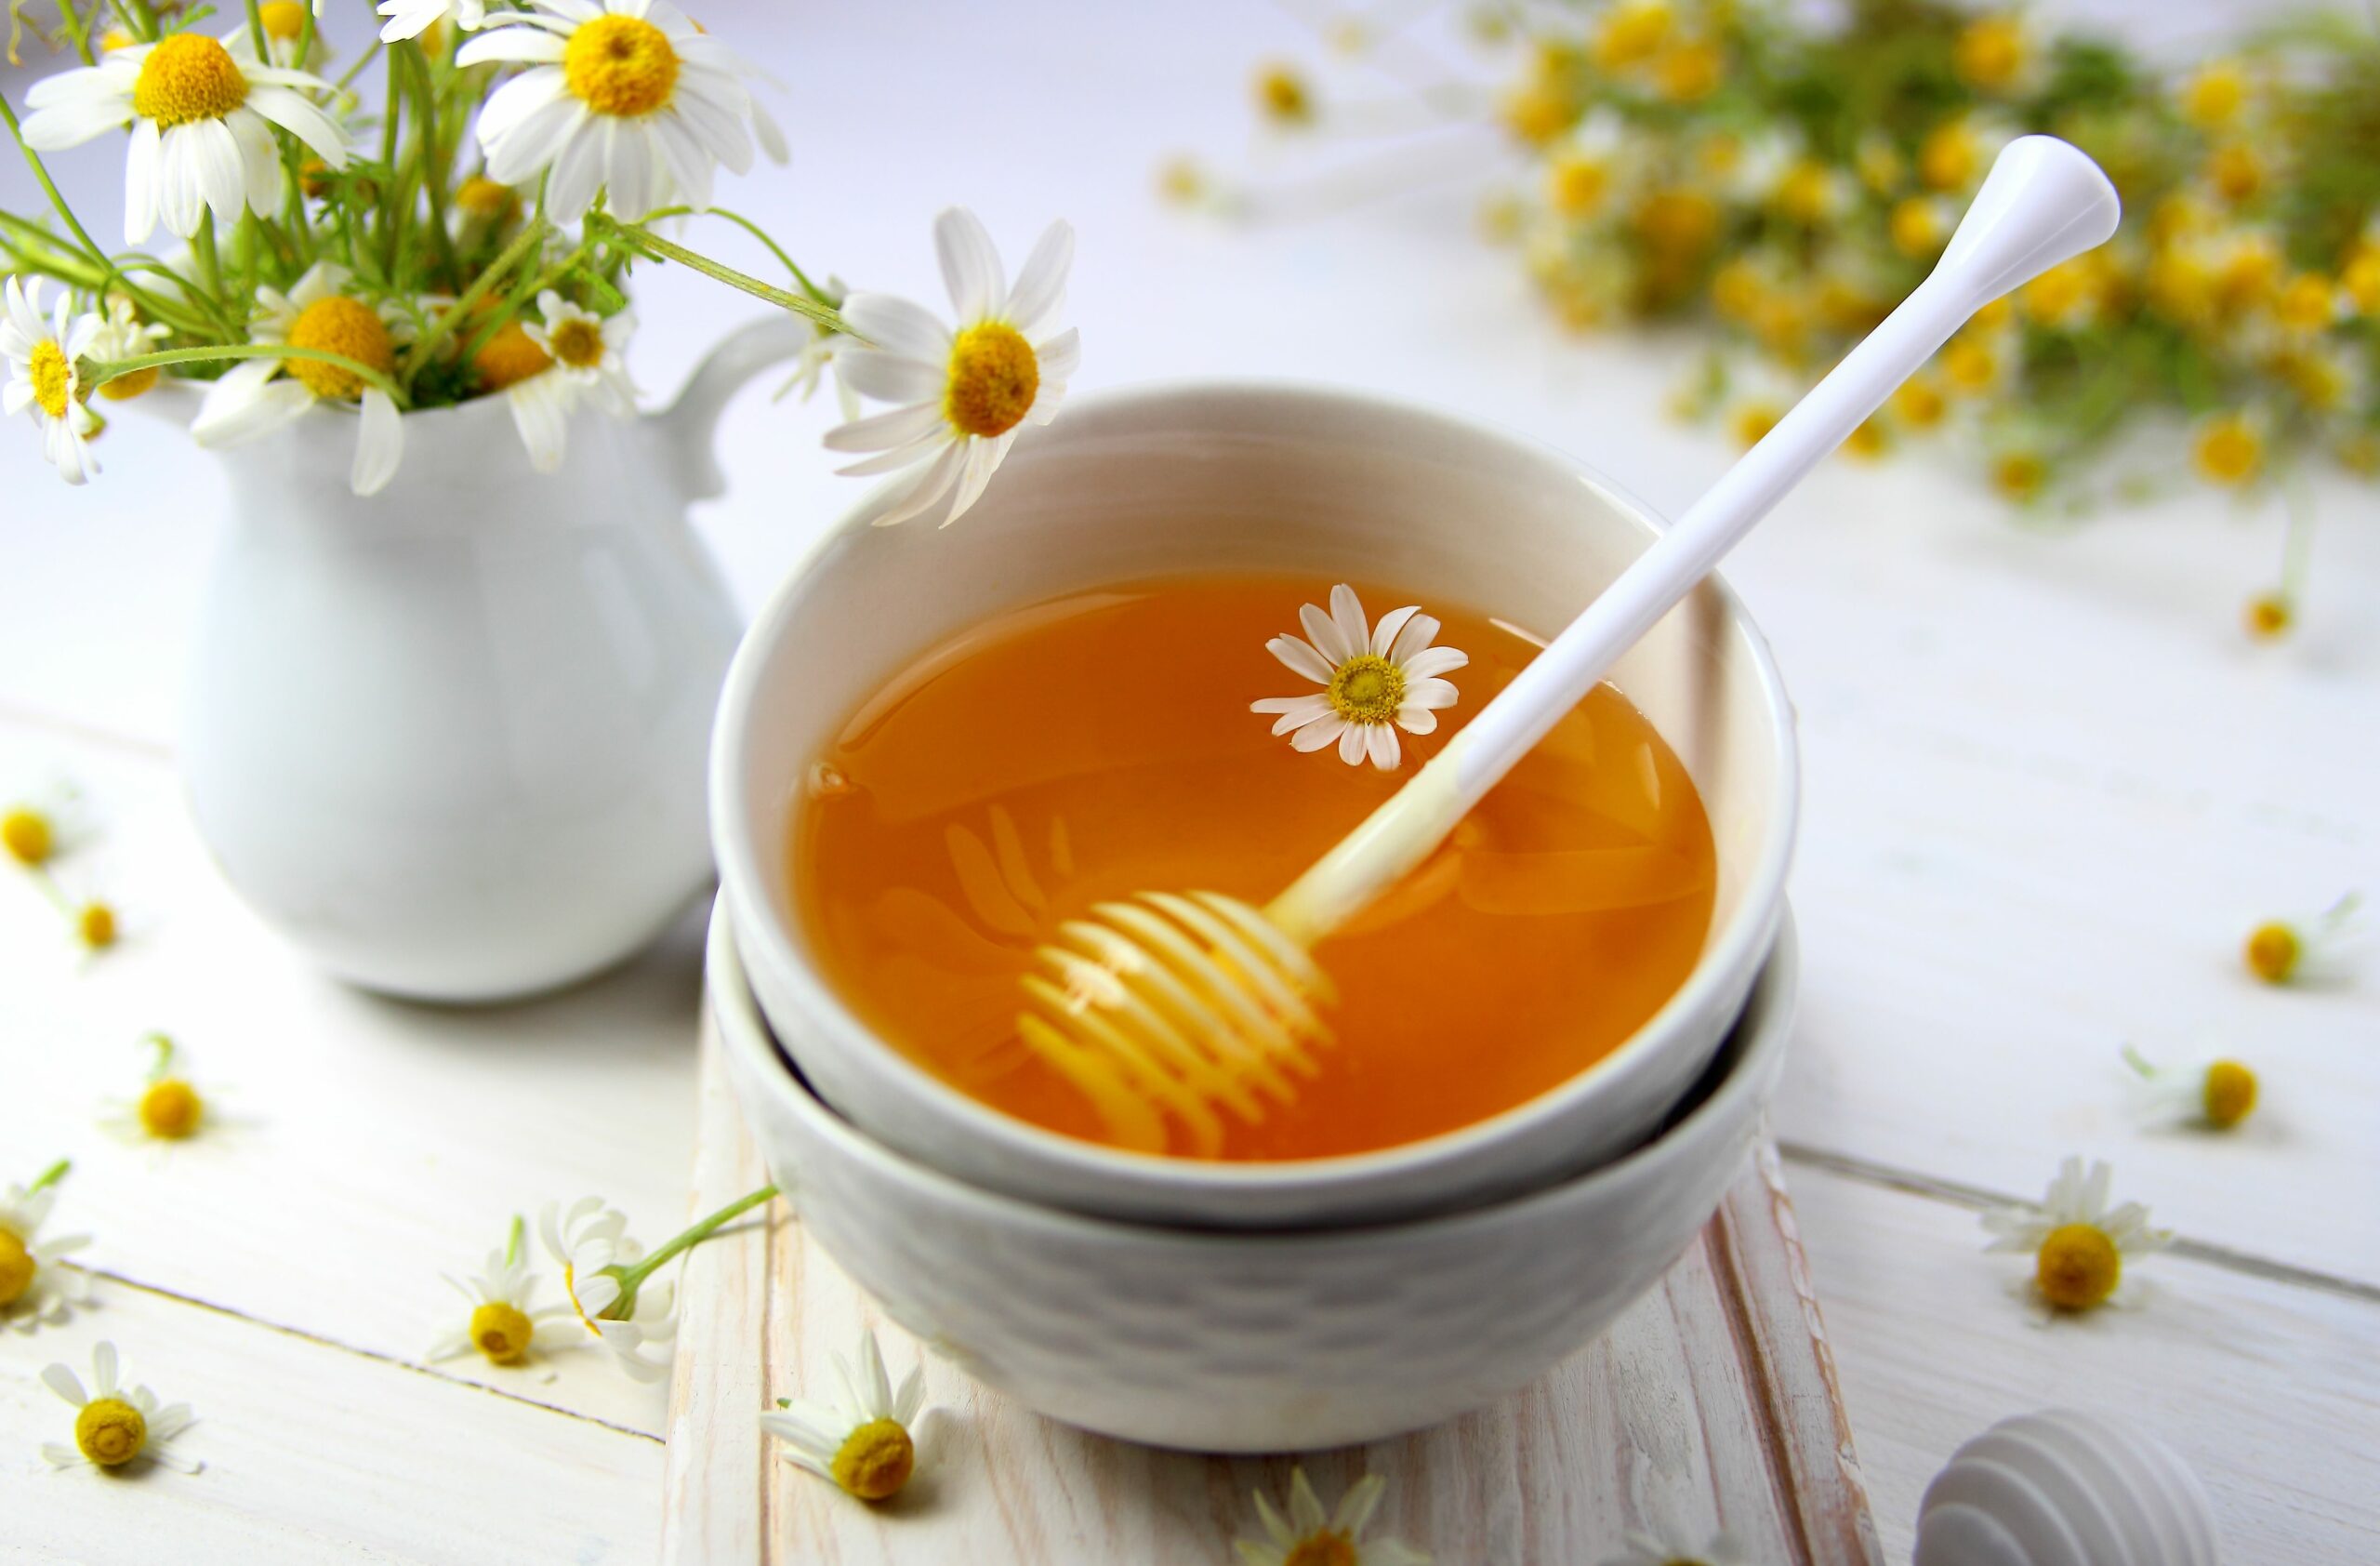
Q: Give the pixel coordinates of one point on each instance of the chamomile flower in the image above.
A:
(966, 393)
(2215, 1092)
(114, 1424)
(2079, 1242)
(43, 375)
(2291, 951)
(122, 335)
(202, 123)
(626, 97)
(582, 352)
(285, 31)
(861, 1439)
(1309, 1537)
(506, 1322)
(821, 358)
(590, 1241)
(34, 1289)
(1375, 680)
(258, 396)
(411, 19)
(169, 1108)
(43, 822)
(1639, 1548)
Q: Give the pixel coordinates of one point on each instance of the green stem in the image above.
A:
(532, 234)
(50, 1176)
(633, 1275)
(640, 239)
(163, 1044)
(512, 1239)
(103, 373)
(57, 201)
(758, 232)
(434, 178)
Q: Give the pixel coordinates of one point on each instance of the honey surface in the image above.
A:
(1100, 745)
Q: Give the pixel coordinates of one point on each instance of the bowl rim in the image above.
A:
(743, 1027)
(1748, 936)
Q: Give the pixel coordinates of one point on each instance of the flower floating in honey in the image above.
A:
(258, 396)
(169, 1108)
(2080, 1244)
(965, 394)
(1375, 680)
(44, 378)
(862, 1438)
(1309, 1537)
(115, 1424)
(2219, 1093)
(591, 1243)
(201, 117)
(1675, 1549)
(34, 1289)
(626, 97)
(506, 1322)
(2298, 951)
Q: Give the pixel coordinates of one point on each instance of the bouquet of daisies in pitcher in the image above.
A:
(468, 233)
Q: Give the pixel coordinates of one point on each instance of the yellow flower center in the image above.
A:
(2307, 304)
(111, 1431)
(1867, 442)
(577, 343)
(2235, 172)
(16, 1269)
(2268, 616)
(2272, 952)
(1990, 52)
(1691, 72)
(1917, 228)
(2214, 97)
(1920, 403)
(115, 38)
(1576, 184)
(483, 197)
(1367, 689)
(1679, 223)
(1329, 1547)
(171, 1109)
(994, 378)
(1946, 159)
(2361, 279)
(621, 66)
(1631, 33)
(2229, 451)
(52, 377)
(2228, 1094)
(189, 76)
(1806, 195)
(2079, 1266)
(284, 19)
(508, 358)
(2019, 475)
(502, 1332)
(1538, 114)
(1281, 94)
(1969, 365)
(95, 925)
(875, 1460)
(340, 326)
(27, 835)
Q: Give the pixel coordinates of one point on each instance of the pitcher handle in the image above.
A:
(688, 424)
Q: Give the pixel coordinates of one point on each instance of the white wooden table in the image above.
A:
(2049, 785)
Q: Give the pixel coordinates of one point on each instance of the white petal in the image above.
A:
(511, 46)
(222, 178)
(1352, 743)
(1315, 736)
(1058, 359)
(1041, 285)
(140, 174)
(1418, 633)
(62, 1380)
(541, 412)
(1381, 740)
(898, 325)
(931, 486)
(1417, 720)
(260, 158)
(984, 459)
(1302, 658)
(1385, 635)
(1430, 694)
(971, 265)
(235, 422)
(892, 377)
(380, 445)
(104, 1366)
(1326, 635)
(1347, 612)
(302, 119)
(1432, 660)
(885, 430)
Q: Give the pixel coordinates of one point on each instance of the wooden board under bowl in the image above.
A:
(1712, 1401)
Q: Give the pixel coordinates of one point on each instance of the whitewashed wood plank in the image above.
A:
(2271, 1391)
(312, 1455)
(366, 1146)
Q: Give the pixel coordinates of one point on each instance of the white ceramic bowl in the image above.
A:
(1193, 479)
(1219, 1341)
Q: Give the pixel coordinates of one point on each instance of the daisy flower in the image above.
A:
(115, 1424)
(42, 356)
(122, 335)
(1308, 1536)
(34, 1288)
(2213, 1091)
(1640, 1548)
(2078, 1240)
(2288, 950)
(1375, 680)
(860, 1438)
(582, 359)
(169, 1108)
(590, 1241)
(285, 30)
(626, 97)
(202, 123)
(411, 19)
(257, 396)
(506, 1321)
(964, 393)
(41, 823)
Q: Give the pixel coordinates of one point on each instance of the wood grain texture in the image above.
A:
(1710, 1404)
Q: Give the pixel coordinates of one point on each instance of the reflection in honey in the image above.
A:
(1102, 745)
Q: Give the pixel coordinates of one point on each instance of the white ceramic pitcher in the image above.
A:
(448, 740)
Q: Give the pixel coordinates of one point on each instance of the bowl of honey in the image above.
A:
(939, 751)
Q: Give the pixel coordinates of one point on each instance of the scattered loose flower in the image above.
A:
(41, 824)
(590, 1241)
(863, 1438)
(168, 1110)
(258, 396)
(115, 1424)
(1375, 679)
(1309, 1537)
(965, 394)
(34, 1289)
(45, 375)
(2296, 951)
(2219, 1093)
(1673, 1549)
(2079, 1242)
(506, 1324)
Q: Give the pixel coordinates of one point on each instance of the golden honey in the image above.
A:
(1100, 744)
